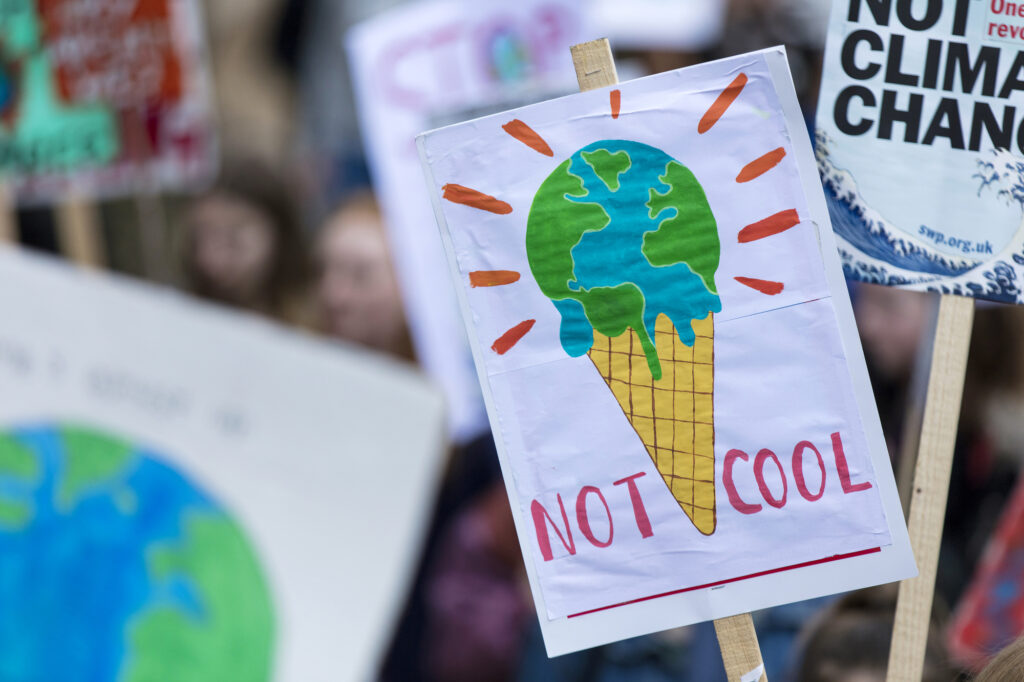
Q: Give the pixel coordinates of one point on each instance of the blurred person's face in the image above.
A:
(358, 293)
(232, 244)
(891, 323)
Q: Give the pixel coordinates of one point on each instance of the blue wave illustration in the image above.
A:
(868, 231)
(1005, 173)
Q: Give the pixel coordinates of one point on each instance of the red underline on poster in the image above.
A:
(826, 560)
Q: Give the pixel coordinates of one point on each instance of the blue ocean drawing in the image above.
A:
(874, 250)
(1005, 173)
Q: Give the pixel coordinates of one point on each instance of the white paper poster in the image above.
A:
(920, 144)
(427, 61)
(667, 350)
(188, 493)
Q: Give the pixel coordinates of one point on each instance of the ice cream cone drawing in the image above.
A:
(621, 238)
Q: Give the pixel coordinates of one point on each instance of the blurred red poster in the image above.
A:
(991, 613)
(119, 52)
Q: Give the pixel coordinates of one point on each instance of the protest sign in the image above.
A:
(411, 67)
(919, 148)
(920, 144)
(188, 493)
(103, 98)
(667, 351)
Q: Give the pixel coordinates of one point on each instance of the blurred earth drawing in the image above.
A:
(115, 566)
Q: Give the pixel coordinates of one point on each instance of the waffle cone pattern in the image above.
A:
(674, 416)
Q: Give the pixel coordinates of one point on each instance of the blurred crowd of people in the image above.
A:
(293, 233)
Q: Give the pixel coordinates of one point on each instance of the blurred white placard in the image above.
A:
(217, 497)
(423, 63)
(687, 25)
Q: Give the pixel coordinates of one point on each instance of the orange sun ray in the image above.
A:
(765, 286)
(723, 102)
(773, 224)
(761, 165)
(457, 194)
(492, 278)
(527, 136)
(512, 337)
(615, 99)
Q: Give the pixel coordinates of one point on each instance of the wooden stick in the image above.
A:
(910, 438)
(8, 216)
(78, 229)
(595, 68)
(931, 485)
(740, 652)
(149, 207)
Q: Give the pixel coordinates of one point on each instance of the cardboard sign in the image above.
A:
(198, 493)
(667, 351)
(434, 60)
(107, 96)
(919, 144)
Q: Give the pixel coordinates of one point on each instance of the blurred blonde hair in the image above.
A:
(1007, 666)
(854, 634)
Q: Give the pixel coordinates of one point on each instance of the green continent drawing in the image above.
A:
(619, 234)
(115, 566)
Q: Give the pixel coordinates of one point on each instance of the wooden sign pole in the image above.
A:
(78, 231)
(931, 485)
(77, 225)
(152, 220)
(8, 216)
(910, 437)
(153, 231)
(595, 68)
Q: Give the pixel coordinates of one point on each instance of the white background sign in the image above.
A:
(324, 455)
(430, 60)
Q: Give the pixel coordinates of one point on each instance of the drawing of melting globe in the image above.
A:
(114, 566)
(622, 240)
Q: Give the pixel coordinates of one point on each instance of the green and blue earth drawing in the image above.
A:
(608, 266)
(115, 566)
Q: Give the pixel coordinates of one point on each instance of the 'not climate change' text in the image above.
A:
(979, 79)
